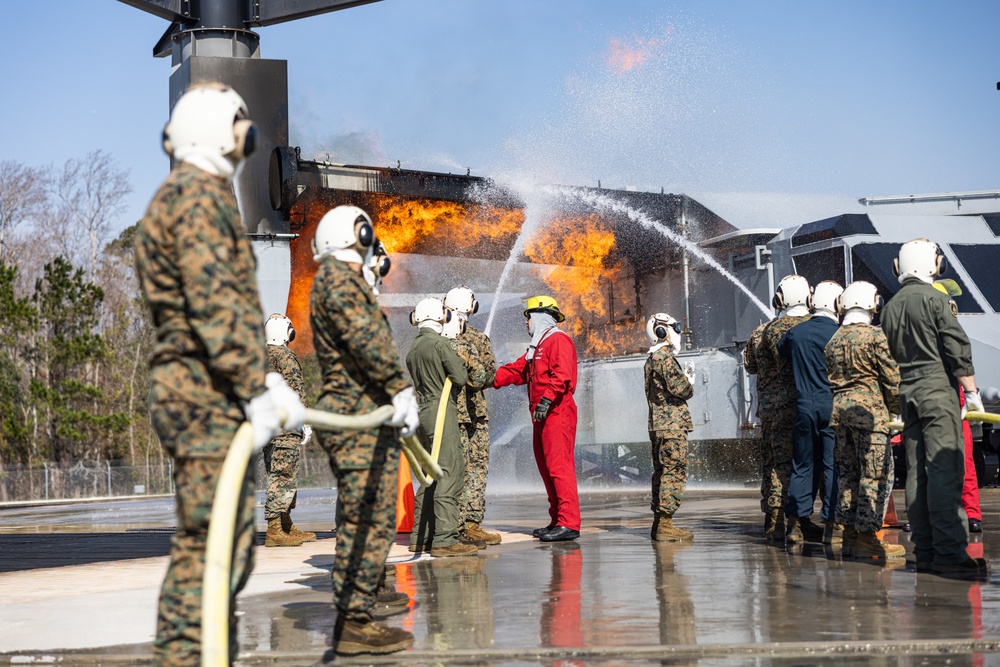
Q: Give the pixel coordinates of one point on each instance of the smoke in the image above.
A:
(361, 147)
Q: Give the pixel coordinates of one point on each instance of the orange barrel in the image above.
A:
(404, 498)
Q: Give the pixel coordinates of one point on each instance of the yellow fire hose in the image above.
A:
(221, 527)
(988, 417)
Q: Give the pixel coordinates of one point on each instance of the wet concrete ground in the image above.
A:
(612, 597)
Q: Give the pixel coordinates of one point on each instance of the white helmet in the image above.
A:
(824, 297)
(279, 330)
(793, 290)
(860, 295)
(919, 258)
(430, 309)
(462, 300)
(661, 327)
(210, 120)
(455, 326)
(344, 228)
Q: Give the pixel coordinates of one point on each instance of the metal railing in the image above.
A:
(81, 481)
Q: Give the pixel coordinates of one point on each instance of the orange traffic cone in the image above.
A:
(404, 498)
(890, 515)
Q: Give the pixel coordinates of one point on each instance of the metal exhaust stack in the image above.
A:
(211, 40)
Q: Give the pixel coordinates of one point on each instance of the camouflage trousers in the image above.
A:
(281, 462)
(366, 465)
(476, 446)
(780, 431)
(670, 470)
(178, 626)
(865, 476)
(766, 464)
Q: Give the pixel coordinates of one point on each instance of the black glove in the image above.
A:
(541, 410)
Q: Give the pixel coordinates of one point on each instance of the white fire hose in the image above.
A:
(222, 524)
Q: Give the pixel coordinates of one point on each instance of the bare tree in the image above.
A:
(91, 194)
(23, 197)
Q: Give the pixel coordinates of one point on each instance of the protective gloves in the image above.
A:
(307, 434)
(406, 416)
(973, 403)
(541, 410)
(265, 412)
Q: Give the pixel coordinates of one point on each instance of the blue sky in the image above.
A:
(769, 112)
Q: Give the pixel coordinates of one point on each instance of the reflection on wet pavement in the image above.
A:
(613, 596)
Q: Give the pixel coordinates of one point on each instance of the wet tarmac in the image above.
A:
(611, 597)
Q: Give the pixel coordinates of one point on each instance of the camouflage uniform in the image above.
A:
(474, 426)
(764, 444)
(198, 273)
(667, 391)
(360, 372)
(281, 456)
(865, 382)
(777, 406)
(430, 360)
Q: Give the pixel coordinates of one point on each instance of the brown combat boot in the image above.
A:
(289, 527)
(456, 549)
(474, 531)
(847, 547)
(868, 545)
(355, 637)
(776, 531)
(666, 531)
(833, 533)
(276, 537)
(793, 533)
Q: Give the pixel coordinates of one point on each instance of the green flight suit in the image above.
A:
(932, 350)
(430, 360)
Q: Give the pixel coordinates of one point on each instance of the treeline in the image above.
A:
(75, 337)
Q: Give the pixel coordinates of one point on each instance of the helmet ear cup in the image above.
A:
(809, 299)
(413, 317)
(895, 267)
(168, 147)
(778, 300)
(660, 331)
(244, 138)
(382, 269)
(839, 304)
(291, 334)
(447, 315)
(475, 306)
(364, 232)
(879, 302)
(676, 326)
(941, 264)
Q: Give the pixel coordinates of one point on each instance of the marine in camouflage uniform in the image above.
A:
(764, 443)
(281, 458)
(865, 382)
(430, 361)
(198, 274)
(474, 428)
(667, 391)
(777, 409)
(360, 371)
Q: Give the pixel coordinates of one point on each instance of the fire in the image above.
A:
(583, 279)
(624, 57)
(410, 225)
(582, 267)
(404, 225)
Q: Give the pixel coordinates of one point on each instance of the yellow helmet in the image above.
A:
(543, 304)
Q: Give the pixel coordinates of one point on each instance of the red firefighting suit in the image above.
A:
(552, 374)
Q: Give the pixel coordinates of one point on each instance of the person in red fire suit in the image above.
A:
(549, 370)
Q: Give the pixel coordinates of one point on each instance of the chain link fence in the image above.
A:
(81, 481)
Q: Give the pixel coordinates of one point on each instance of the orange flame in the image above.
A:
(624, 57)
(583, 271)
